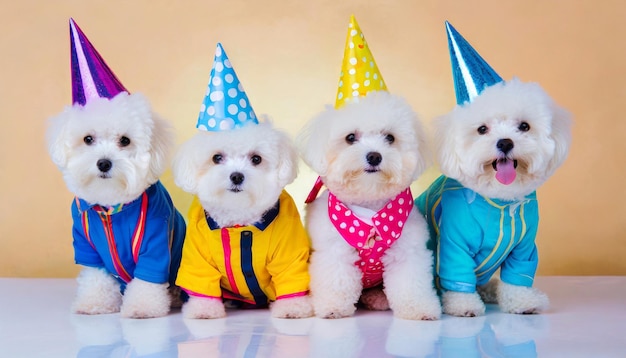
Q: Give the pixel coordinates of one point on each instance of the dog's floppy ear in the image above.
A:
(561, 134)
(288, 160)
(161, 137)
(186, 164)
(424, 159)
(445, 144)
(312, 142)
(56, 136)
(161, 144)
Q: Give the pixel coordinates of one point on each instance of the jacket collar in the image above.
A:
(267, 218)
(83, 205)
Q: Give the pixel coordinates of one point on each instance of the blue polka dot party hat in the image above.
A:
(226, 105)
(471, 73)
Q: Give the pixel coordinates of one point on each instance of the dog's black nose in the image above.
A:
(505, 145)
(237, 178)
(373, 158)
(104, 165)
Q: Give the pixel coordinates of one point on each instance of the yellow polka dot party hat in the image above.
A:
(359, 72)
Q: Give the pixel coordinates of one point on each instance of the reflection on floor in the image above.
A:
(587, 319)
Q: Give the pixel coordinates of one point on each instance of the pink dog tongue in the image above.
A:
(505, 171)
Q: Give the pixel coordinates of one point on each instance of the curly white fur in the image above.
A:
(462, 304)
(144, 299)
(293, 307)
(198, 170)
(518, 299)
(97, 293)
(538, 148)
(467, 156)
(203, 308)
(385, 124)
(323, 147)
(133, 167)
(80, 137)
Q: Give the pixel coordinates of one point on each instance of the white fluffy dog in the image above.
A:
(494, 153)
(367, 154)
(111, 153)
(245, 239)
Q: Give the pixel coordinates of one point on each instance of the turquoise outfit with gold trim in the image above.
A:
(472, 236)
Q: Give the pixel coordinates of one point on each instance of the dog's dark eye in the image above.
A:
(524, 127)
(482, 130)
(256, 159)
(390, 138)
(124, 141)
(350, 138)
(217, 158)
(88, 140)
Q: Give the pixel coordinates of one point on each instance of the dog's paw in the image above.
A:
(462, 304)
(97, 293)
(427, 308)
(333, 308)
(203, 308)
(144, 299)
(521, 300)
(374, 299)
(294, 307)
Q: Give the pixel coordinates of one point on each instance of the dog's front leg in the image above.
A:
(521, 299)
(515, 293)
(335, 282)
(204, 308)
(292, 307)
(144, 299)
(98, 292)
(462, 304)
(408, 281)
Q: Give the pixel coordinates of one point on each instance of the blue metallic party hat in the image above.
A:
(226, 105)
(471, 73)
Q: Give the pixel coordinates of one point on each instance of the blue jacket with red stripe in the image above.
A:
(142, 239)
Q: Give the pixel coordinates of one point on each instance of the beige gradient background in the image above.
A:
(287, 55)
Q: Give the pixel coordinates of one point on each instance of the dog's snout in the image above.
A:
(104, 165)
(237, 178)
(373, 158)
(505, 145)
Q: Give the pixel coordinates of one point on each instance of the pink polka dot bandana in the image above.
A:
(371, 241)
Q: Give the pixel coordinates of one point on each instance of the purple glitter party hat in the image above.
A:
(91, 77)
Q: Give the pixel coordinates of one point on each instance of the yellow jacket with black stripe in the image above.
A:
(255, 264)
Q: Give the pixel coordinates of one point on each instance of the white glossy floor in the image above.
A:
(587, 319)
